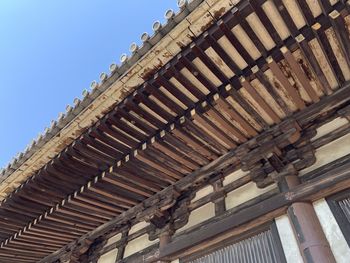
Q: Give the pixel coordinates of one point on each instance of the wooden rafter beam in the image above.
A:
(305, 117)
(180, 127)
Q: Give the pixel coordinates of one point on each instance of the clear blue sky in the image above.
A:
(50, 50)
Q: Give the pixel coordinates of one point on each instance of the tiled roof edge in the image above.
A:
(106, 80)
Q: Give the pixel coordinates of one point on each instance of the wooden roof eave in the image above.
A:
(95, 103)
(178, 133)
(163, 198)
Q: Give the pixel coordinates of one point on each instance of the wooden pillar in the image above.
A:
(164, 239)
(219, 202)
(312, 241)
(121, 248)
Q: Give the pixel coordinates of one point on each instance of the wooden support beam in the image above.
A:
(315, 66)
(121, 247)
(166, 197)
(259, 99)
(219, 202)
(342, 33)
(82, 162)
(285, 83)
(300, 75)
(265, 82)
(328, 51)
(324, 185)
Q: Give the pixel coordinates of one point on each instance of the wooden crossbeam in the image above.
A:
(325, 184)
(114, 147)
(304, 117)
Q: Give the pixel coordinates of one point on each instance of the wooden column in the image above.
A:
(164, 239)
(219, 201)
(121, 248)
(312, 242)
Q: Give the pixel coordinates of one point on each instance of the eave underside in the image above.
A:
(234, 82)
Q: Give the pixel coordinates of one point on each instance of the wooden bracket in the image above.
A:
(345, 112)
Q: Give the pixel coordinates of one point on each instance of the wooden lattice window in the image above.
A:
(340, 206)
(261, 245)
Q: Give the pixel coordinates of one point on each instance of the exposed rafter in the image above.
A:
(241, 80)
(167, 196)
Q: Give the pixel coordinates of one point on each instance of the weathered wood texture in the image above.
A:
(182, 125)
(167, 197)
(325, 184)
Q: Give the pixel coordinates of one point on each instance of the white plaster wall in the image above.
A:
(244, 194)
(109, 257)
(138, 227)
(288, 240)
(335, 237)
(329, 127)
(113, 239)
(199, 215)
(203, 192)
(138, 244)
(330, 152)
(234, 176)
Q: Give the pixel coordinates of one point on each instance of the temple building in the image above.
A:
(223, 137)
